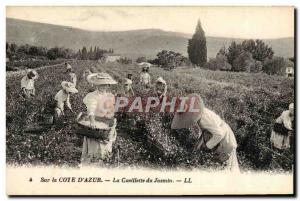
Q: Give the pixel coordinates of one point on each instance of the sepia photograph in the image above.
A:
(149, 100)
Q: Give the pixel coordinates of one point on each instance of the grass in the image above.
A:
(248, 102)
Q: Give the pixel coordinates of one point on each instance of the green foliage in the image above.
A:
(218, 63)
(274, 66)
(258, 49)
(141, 59)
(245, 63)
(248, 103)
(16, 65)
(25, 52)
(124, 60)
(84, 54)
(197, 49)
(169, 59)
(234, 50)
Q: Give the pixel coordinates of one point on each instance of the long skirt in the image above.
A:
(94, 150)
(227, 150)
(280, 141)
(28, 93)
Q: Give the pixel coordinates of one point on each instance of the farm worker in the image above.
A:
(100, 106)
(73, 76)
(219, 136)
(86, 73)
(63, 97)
(27, 83)
(145, 78)
(161, 87)
(129, 76)
(283, 128)
(68, 66)
(128, 91)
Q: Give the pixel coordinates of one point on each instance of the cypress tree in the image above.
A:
(197, 49)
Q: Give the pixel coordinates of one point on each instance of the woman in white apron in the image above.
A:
(100, 110)
(283, 128)
(222, 138)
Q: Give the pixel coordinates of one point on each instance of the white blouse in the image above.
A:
(219, 129)
(100, 104)
(145, 78)
(285, 119)
(61, 97)
(27, 83)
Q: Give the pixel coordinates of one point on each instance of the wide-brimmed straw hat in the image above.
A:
(69, 87)
(33, 73)
(161, 80)
(144, 64)
(100, 79)
(189, 118)
(127, 81)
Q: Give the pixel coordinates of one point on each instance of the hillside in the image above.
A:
(132, 43)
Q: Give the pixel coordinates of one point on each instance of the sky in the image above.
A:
(231, 22)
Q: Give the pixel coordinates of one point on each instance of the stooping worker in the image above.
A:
(219, 136)
(27, 84)
(68, 66)
(161, 88)
(128, 91)
(145, 78)
(72, 76)
(63, 97)
(283, 129)
(100, 118)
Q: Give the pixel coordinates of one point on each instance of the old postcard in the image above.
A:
(150, 100)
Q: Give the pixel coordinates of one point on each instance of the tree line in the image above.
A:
(93, 54)
(247, 56)
(250, 56)
(26, 52)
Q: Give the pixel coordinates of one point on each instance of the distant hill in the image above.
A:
(132, 43)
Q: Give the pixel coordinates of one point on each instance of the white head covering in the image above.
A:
(127, 81)
(291, 106)
(100, 78)
(161, 80)
(36, 75)
(145, 65)
(188, 119)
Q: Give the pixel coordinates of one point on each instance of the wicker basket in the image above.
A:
(101, 132)
(92, 133)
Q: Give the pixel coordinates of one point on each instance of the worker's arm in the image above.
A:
(68, 103)
(131, 90)
(211, 123)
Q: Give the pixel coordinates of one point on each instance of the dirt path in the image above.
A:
(10, 74)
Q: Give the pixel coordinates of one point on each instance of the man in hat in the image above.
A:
(161, 88)
(100, 106)
(63, 97)
(220, 137)
(27, 84)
